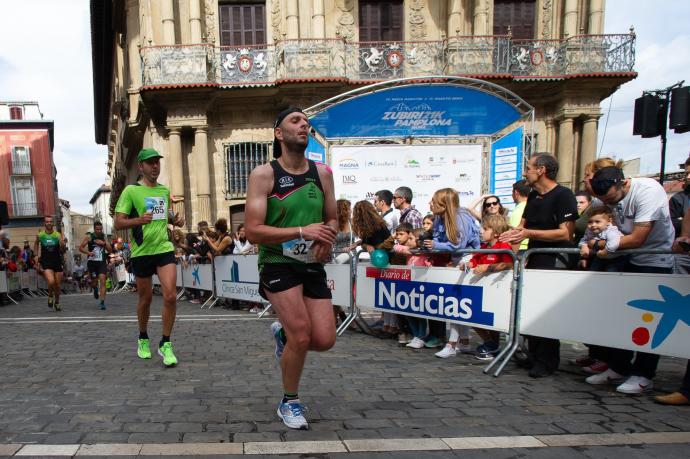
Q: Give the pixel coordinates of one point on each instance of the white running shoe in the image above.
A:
(416, 343)
(636, 385)
(291, 414)
(607, 377)
(447, 351)
(404, 338)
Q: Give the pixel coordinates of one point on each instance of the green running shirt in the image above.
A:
(50, 247)
(134, 201)
(296, 200)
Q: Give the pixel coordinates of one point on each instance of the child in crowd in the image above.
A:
(406, 240)
(480, 263)
(428, 222)
(602, 238)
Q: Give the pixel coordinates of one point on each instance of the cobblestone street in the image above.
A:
(73, 378)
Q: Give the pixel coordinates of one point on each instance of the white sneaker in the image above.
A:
(464, 348)
(607, 377)
(416, 343)
(636, 385)
(255, 310)
(447, 351)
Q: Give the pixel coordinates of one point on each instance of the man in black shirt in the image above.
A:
(548, 222)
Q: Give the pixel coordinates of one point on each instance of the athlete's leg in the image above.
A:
(145, 290)
(57, 284)
(101, 293)
(49, 276)
(322, 323)
(167, 274)
(292, 313)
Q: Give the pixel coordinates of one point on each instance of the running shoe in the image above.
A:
(144, 349)
(433, 342)
(51, 300)
(447, 351)
(166, 351)
(635, 385)
(291, 414)
(101, 305)
(276, 327)
(57, 307)
(607, 377)
(486, 351)
(416, 343)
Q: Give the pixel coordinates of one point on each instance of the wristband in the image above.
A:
(300, 233)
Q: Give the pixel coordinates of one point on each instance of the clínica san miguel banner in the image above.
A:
(447, 294)
(639, 312)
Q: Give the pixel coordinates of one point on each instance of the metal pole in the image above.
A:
(664, 127)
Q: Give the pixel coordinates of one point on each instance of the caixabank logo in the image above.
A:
(435, 301)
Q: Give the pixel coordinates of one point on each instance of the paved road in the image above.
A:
(73, 378)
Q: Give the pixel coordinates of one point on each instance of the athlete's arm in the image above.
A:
(83, 244)
(107, 245)
(122, 221)
(258, 190)
(323, 250)
(37, 248)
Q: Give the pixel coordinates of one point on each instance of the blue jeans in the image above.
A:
(417, 326)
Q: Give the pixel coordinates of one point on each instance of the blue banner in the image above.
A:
(506, 165)
(417, 110)
(315, 151)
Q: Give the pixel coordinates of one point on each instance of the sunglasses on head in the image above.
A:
(492, 203)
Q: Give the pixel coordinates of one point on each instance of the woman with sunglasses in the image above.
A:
(491, 205)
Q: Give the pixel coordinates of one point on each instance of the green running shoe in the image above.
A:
(57, 307)
(166, 351)
(143, 349)
(51, 300)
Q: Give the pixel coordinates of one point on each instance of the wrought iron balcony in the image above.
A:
(482, 56)
(25, 209)
(21, 166)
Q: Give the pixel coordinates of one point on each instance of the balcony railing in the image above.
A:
(373, 61)
(21, 166)
(25, 209)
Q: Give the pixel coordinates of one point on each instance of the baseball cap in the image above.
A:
(148, 153)
(605, 178)
(279, 119)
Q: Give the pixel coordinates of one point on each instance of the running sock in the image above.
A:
(290, 396)
(143, 335)
(164, 339)
(282, 335)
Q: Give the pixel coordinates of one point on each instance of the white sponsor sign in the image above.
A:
(447, 294)
(28, 280)
(197, 276)
(3, 282)
(360, 171)
(237, 277)
(640, 312)
(178, 282)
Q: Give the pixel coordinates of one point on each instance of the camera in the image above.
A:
(425, 236)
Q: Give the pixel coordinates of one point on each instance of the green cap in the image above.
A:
(148, 153)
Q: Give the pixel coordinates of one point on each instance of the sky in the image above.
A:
(45, 55)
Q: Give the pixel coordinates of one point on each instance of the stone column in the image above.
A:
(318, 20)
(194, 21)
(292, 20)
(550, 137)
(203, 175)
(565, 152)
(455, 22)
(168, 19)
(174, 160)
(570, 19)
(596, 17)
(589, 143)
(480, 17)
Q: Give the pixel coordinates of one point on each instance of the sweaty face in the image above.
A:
(294, 130)
(598, 223)
(48, 222)
(151, 168)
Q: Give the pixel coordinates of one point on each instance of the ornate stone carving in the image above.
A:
(210, 20)
(276, 19)
(346, 21)
(546, 18)
(417, 23)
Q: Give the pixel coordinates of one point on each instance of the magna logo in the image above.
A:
(348, 163)
(286, 181)
(436, 301)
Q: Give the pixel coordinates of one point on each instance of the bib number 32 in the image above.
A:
(298, 249)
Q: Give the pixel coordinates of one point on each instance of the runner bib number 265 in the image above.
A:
(157, 207)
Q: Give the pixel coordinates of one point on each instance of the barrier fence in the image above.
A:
(640, 312)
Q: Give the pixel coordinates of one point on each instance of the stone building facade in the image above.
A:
(202, 80)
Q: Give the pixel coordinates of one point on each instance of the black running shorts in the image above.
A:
(278, 277)
(145, 265)
(52, 265)
(97, 268)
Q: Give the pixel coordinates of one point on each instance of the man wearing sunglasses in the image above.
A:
(641, 213)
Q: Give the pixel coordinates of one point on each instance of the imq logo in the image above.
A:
(436, 301)
(349, 179)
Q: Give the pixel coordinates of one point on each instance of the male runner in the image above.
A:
(291, 214)
(48, 247)
(95, 245)
(144, 209)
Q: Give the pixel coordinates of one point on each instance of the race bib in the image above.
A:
(158, 208)
(299, 250)
(97, 253)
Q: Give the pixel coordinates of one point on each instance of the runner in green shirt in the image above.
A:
(49, 259)
(290, 213)
(144, 209)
